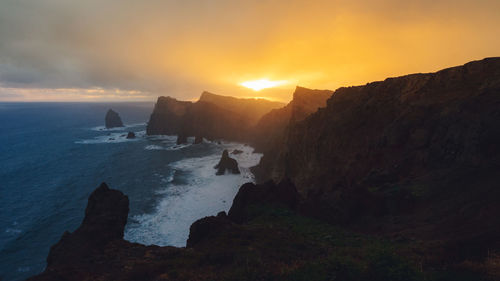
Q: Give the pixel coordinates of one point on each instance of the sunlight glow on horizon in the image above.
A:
(260, 84)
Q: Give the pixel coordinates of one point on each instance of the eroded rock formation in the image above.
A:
(227, 163)
(112, 119)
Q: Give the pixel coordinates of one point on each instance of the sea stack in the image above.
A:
(198, 140)
(227, 163)
(112, 119)
(131, 135)
(181, 139)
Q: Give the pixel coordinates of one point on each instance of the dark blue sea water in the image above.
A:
(53, 155)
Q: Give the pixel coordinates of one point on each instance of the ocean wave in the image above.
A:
(124, 128)
(13, 231)
(112, 138)
(153, 147)
(201, 194)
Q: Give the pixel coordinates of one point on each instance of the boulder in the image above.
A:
(237, 151)
(112, 119)
(198, 140)
(181, 139)
(227, 163)
(131, 135)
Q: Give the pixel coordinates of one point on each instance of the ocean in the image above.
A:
(53, 155)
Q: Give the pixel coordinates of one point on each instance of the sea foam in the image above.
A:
(201, 194)
(115, 137)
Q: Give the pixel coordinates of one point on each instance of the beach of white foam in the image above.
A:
(201, 194)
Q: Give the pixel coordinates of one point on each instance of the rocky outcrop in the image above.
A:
(395, 129)
(270, 129)
(112, 119)
(131, 135)
(423, 148)
(198, 140)
(181, 139)
(250, 109)
(236, 152)
(283, 194)
(262, 236)
(226, 163)
(104, 222)
(167, 116)
(213, 117)
(205, 228)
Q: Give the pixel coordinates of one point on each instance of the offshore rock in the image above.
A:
(198, 140)
(227, 163)
(112, 119)
(181, 139)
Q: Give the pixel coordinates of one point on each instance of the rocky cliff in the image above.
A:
(251, 109)
(271, 127)
(212, 117)
(398, 128)
(393, 180)
(422, 147)
(264, 237)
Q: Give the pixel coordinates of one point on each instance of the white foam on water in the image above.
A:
(204, 194)
(112, 138)
(13, 230)
(153, 147)
(170, 143)
(124, 128)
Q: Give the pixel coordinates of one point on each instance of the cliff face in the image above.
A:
(262, 238)
(212, 117)
(167, 116)
(397, 129)
(271, 127)
(250, 109)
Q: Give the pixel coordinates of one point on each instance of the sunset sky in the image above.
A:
(60, 50)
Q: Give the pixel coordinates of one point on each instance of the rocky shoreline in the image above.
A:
(393, 180)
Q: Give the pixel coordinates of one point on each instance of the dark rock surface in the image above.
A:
(131, 135)
(198, 140)
(104, 222)
(112, 119)
(422, 148)
(226, 163)
(213, 117)
(283, 194)
(394, 129)
(251, 109)
(203, 229)
(236, 152)
(271, 128)
(181, 139)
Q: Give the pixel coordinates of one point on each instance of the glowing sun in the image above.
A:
(260, 84)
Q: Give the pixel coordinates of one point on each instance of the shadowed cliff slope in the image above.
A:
(271, 127)
(413, 156)
(262, 238)
(251, 109)
(213, 116)
(398, 128)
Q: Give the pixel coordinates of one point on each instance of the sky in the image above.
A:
(129, 50)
